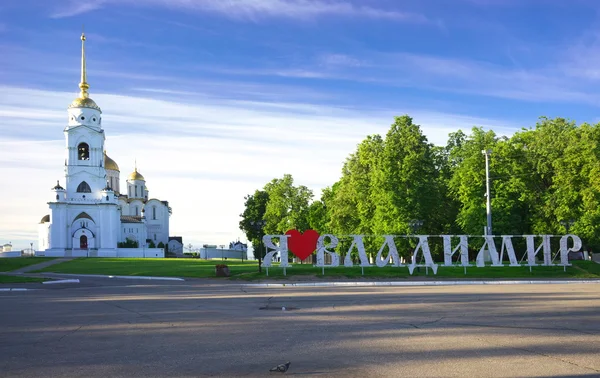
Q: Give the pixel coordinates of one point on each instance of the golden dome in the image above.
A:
(135, 175)
(110, 163)
(84, 102)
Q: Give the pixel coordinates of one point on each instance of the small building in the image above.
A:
(236, 250)
(175, 245)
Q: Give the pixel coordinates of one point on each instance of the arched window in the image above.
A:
(153, 212)
(84, 188)
(83, 151)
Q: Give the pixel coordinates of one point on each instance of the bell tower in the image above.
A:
(84, 167)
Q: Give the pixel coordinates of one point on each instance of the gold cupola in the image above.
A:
(110, 163)
(135, 175)
(84, 100)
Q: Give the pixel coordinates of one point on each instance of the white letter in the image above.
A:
(322, 249)
(448, 252)
(282, 248)
(510, 250)
(491, 249)
(358, 242)
(392, 254)
(532, 251)
(564, 251)
(424, 246)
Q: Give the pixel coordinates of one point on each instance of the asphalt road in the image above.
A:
(194, 329)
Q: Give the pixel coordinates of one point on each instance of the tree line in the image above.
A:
(544, 180)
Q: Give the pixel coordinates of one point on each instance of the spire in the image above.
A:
(83, 85)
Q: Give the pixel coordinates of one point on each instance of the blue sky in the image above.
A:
(214, 97)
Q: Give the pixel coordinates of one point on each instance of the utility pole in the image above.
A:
(488, 198)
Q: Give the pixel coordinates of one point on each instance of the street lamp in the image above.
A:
(258, 226)
(414, 225)
(31, 249)
(222, 246)
(567, 224)
(488, 199)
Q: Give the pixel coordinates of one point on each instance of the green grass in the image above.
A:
(19, 279)
(9, 264)
(248, 270)
(150, 267)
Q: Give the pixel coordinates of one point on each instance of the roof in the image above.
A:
(110, 163)
(45, 219)
(131, 219)
(136, 176)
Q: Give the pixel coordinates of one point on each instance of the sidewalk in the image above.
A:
(42, 265)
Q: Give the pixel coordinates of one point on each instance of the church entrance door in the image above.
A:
(83, 242)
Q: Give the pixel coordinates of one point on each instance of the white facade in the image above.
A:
(89, 217)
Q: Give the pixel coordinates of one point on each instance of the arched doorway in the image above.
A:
(83, 242)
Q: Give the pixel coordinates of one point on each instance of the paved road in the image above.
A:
(193, 329)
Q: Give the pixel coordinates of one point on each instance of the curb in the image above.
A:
(61, 281)
(424, 283)
(15, 289)
(121, 277)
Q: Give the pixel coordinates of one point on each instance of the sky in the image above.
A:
(215, 98)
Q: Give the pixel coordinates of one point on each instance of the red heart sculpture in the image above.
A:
(302, 245)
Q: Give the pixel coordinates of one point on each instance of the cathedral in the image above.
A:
(90, 215)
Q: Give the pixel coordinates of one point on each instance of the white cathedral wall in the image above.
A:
(43, 235)
(133, 231)
(58, 231)
(135, 208)
(92, 170)
(112, 177)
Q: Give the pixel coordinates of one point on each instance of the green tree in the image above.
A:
(252, 222)
(287, 206)
(405, 181)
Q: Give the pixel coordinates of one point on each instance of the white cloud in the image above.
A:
(203, 158)
(253, 9)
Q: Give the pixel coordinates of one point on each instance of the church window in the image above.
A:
(154, 212)
(82, 118)
(136, 211)
(136, 191)
(94, 119)
(84, 188)
(83, 151)
(154, 236)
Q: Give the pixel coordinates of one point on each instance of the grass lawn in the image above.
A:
(248, 270)
(12, 263)
(19, 279)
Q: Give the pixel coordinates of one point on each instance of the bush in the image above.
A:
(128, 244)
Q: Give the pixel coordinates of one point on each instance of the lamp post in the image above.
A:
(488, 199)
(258, 226)
(414, 225)
(31, 249)
(567, 224)
(222, 246)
